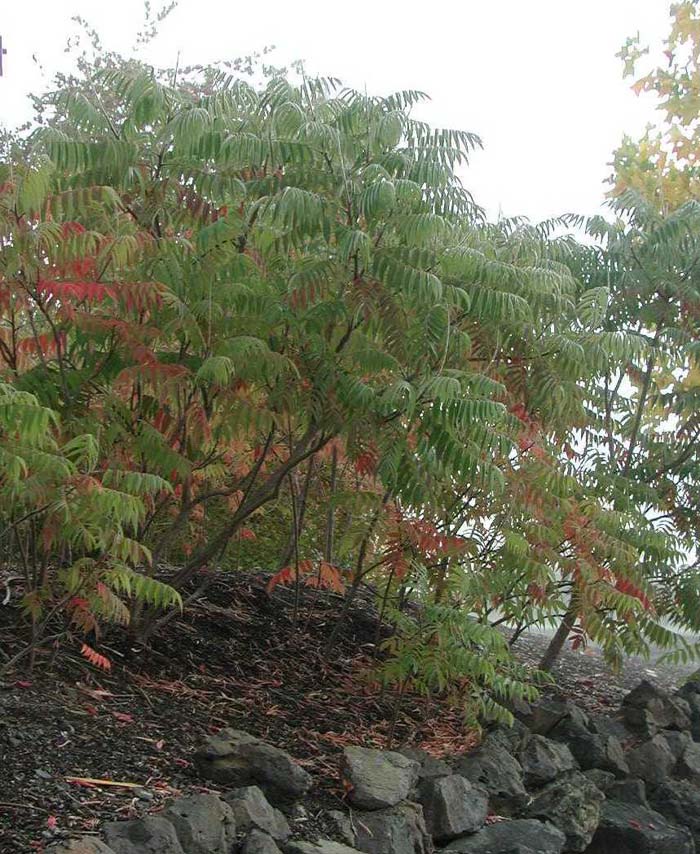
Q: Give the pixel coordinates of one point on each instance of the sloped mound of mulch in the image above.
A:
(235, 660)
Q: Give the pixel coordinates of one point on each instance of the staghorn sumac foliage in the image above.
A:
(267, 324)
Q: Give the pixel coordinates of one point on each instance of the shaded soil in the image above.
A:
(238, 661)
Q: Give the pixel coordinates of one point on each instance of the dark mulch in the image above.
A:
(236, 660)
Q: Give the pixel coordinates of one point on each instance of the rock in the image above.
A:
(676, 742)
(571, 803)
(509, 738)
(430, 766)
(397, 830)
(652, 761)
(631, 829)
(500, 774)
(688, 763)
(548, 712)
(379, 778)
(258, 842)
(679, 802)
(603, 780)
(606, 725)
(204, 824)
(630, 791)
(690, 692)
(591, 749)
(235, 758)
(521, 836)
(543, 760)
(321, 846)
(452, 806)
(251, 810)
(82, 845)
(149, 835)
(649, 710)
(343, 824)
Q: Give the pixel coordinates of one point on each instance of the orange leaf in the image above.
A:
(95, 657)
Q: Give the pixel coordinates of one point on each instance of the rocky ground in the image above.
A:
(233, 662)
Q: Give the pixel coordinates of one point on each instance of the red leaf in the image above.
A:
(90, 709)
(21, 684)
(123, 717)
(160, 744)
(52, 822)
(181, 762)
(95, 657)
(635, 824)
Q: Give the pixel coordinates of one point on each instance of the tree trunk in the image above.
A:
(557, 643)
(295, 533)
(330, 514)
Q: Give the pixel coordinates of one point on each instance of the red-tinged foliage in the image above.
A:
(44, 345)
(536, 592)
(322, 575)
(366, 462)
(77, 292)
(629, 589)
(95, 658)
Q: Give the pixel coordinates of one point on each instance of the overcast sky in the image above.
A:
(537, 79)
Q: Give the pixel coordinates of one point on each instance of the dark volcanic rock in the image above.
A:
(430, 766)
(543, 760)
(452, 806)
(236, 758)
(652, 761)
(510, 738)
(630, 791)
(610, 725)
(603, 780)
(251, 810)
(204, 824)
(521, 836)
(82, 845)
(398, 830)
(572, 803)
(379, 778)
(690, 692)
(258, 842)
(679, 802)
(493, 768)
(321, 846)
(649, 709)
(591, 749)
(631, 829)
(549, 712)
(150, 835)
(688, 764)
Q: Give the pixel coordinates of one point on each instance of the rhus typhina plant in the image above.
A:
(268, 318)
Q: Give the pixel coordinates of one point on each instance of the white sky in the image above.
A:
(537, 79)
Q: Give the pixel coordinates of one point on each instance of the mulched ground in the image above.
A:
(238, 661)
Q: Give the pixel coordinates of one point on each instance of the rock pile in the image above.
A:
(557, 781)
